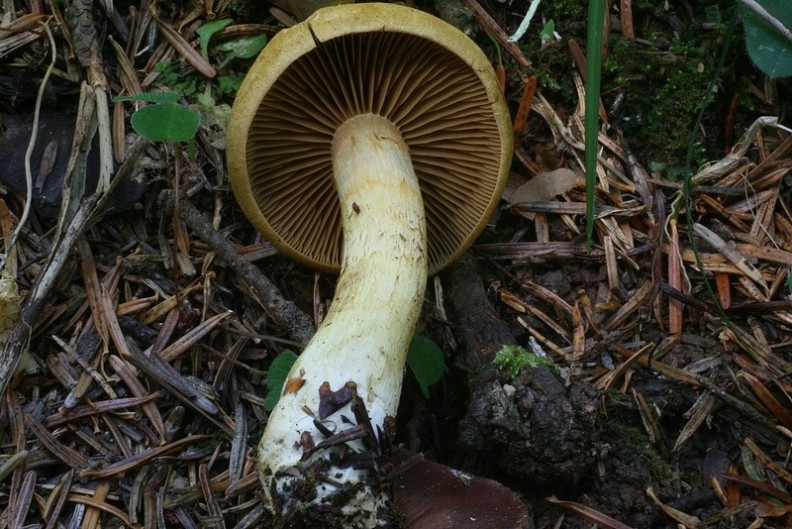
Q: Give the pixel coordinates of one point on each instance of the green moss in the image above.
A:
(654, 88)
(211, 443)
(487, 274)
(568, 9)
(677, 104)
(662, 94)
(623, 433)
(696, 480)
(659, 466)
(551, 65)
(514, 358)
(654, 92)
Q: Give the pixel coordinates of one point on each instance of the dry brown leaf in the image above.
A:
(542, 187)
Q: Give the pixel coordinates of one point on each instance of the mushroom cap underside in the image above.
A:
(421, 73)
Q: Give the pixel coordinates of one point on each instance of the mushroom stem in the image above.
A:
(366, 333)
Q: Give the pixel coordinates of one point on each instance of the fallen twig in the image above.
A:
(299, 324)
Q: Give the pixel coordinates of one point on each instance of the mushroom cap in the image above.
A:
(410, 67)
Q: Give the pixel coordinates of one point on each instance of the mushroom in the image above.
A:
(374, 139)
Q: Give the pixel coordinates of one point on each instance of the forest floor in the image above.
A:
(644, 382)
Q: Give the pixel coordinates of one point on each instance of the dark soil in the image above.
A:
(550, 432)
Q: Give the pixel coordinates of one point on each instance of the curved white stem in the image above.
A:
(366, 333)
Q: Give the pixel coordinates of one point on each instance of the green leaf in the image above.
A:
(206, 32)
(244, 47)
(151, 97)
(547, 33)
(276, 377)
(166, 122)
(426, 362)
(767, 36)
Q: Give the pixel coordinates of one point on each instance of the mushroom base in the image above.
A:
(321, 492)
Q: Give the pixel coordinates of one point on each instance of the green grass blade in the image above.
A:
(687, 182)
(596, 21)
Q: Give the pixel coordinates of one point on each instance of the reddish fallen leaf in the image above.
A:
(762, 392)
(434, 496)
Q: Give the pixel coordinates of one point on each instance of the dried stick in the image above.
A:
(497, 32)
(299, 324)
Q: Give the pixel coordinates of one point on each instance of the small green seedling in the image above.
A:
(166, 119)
(515, 358)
